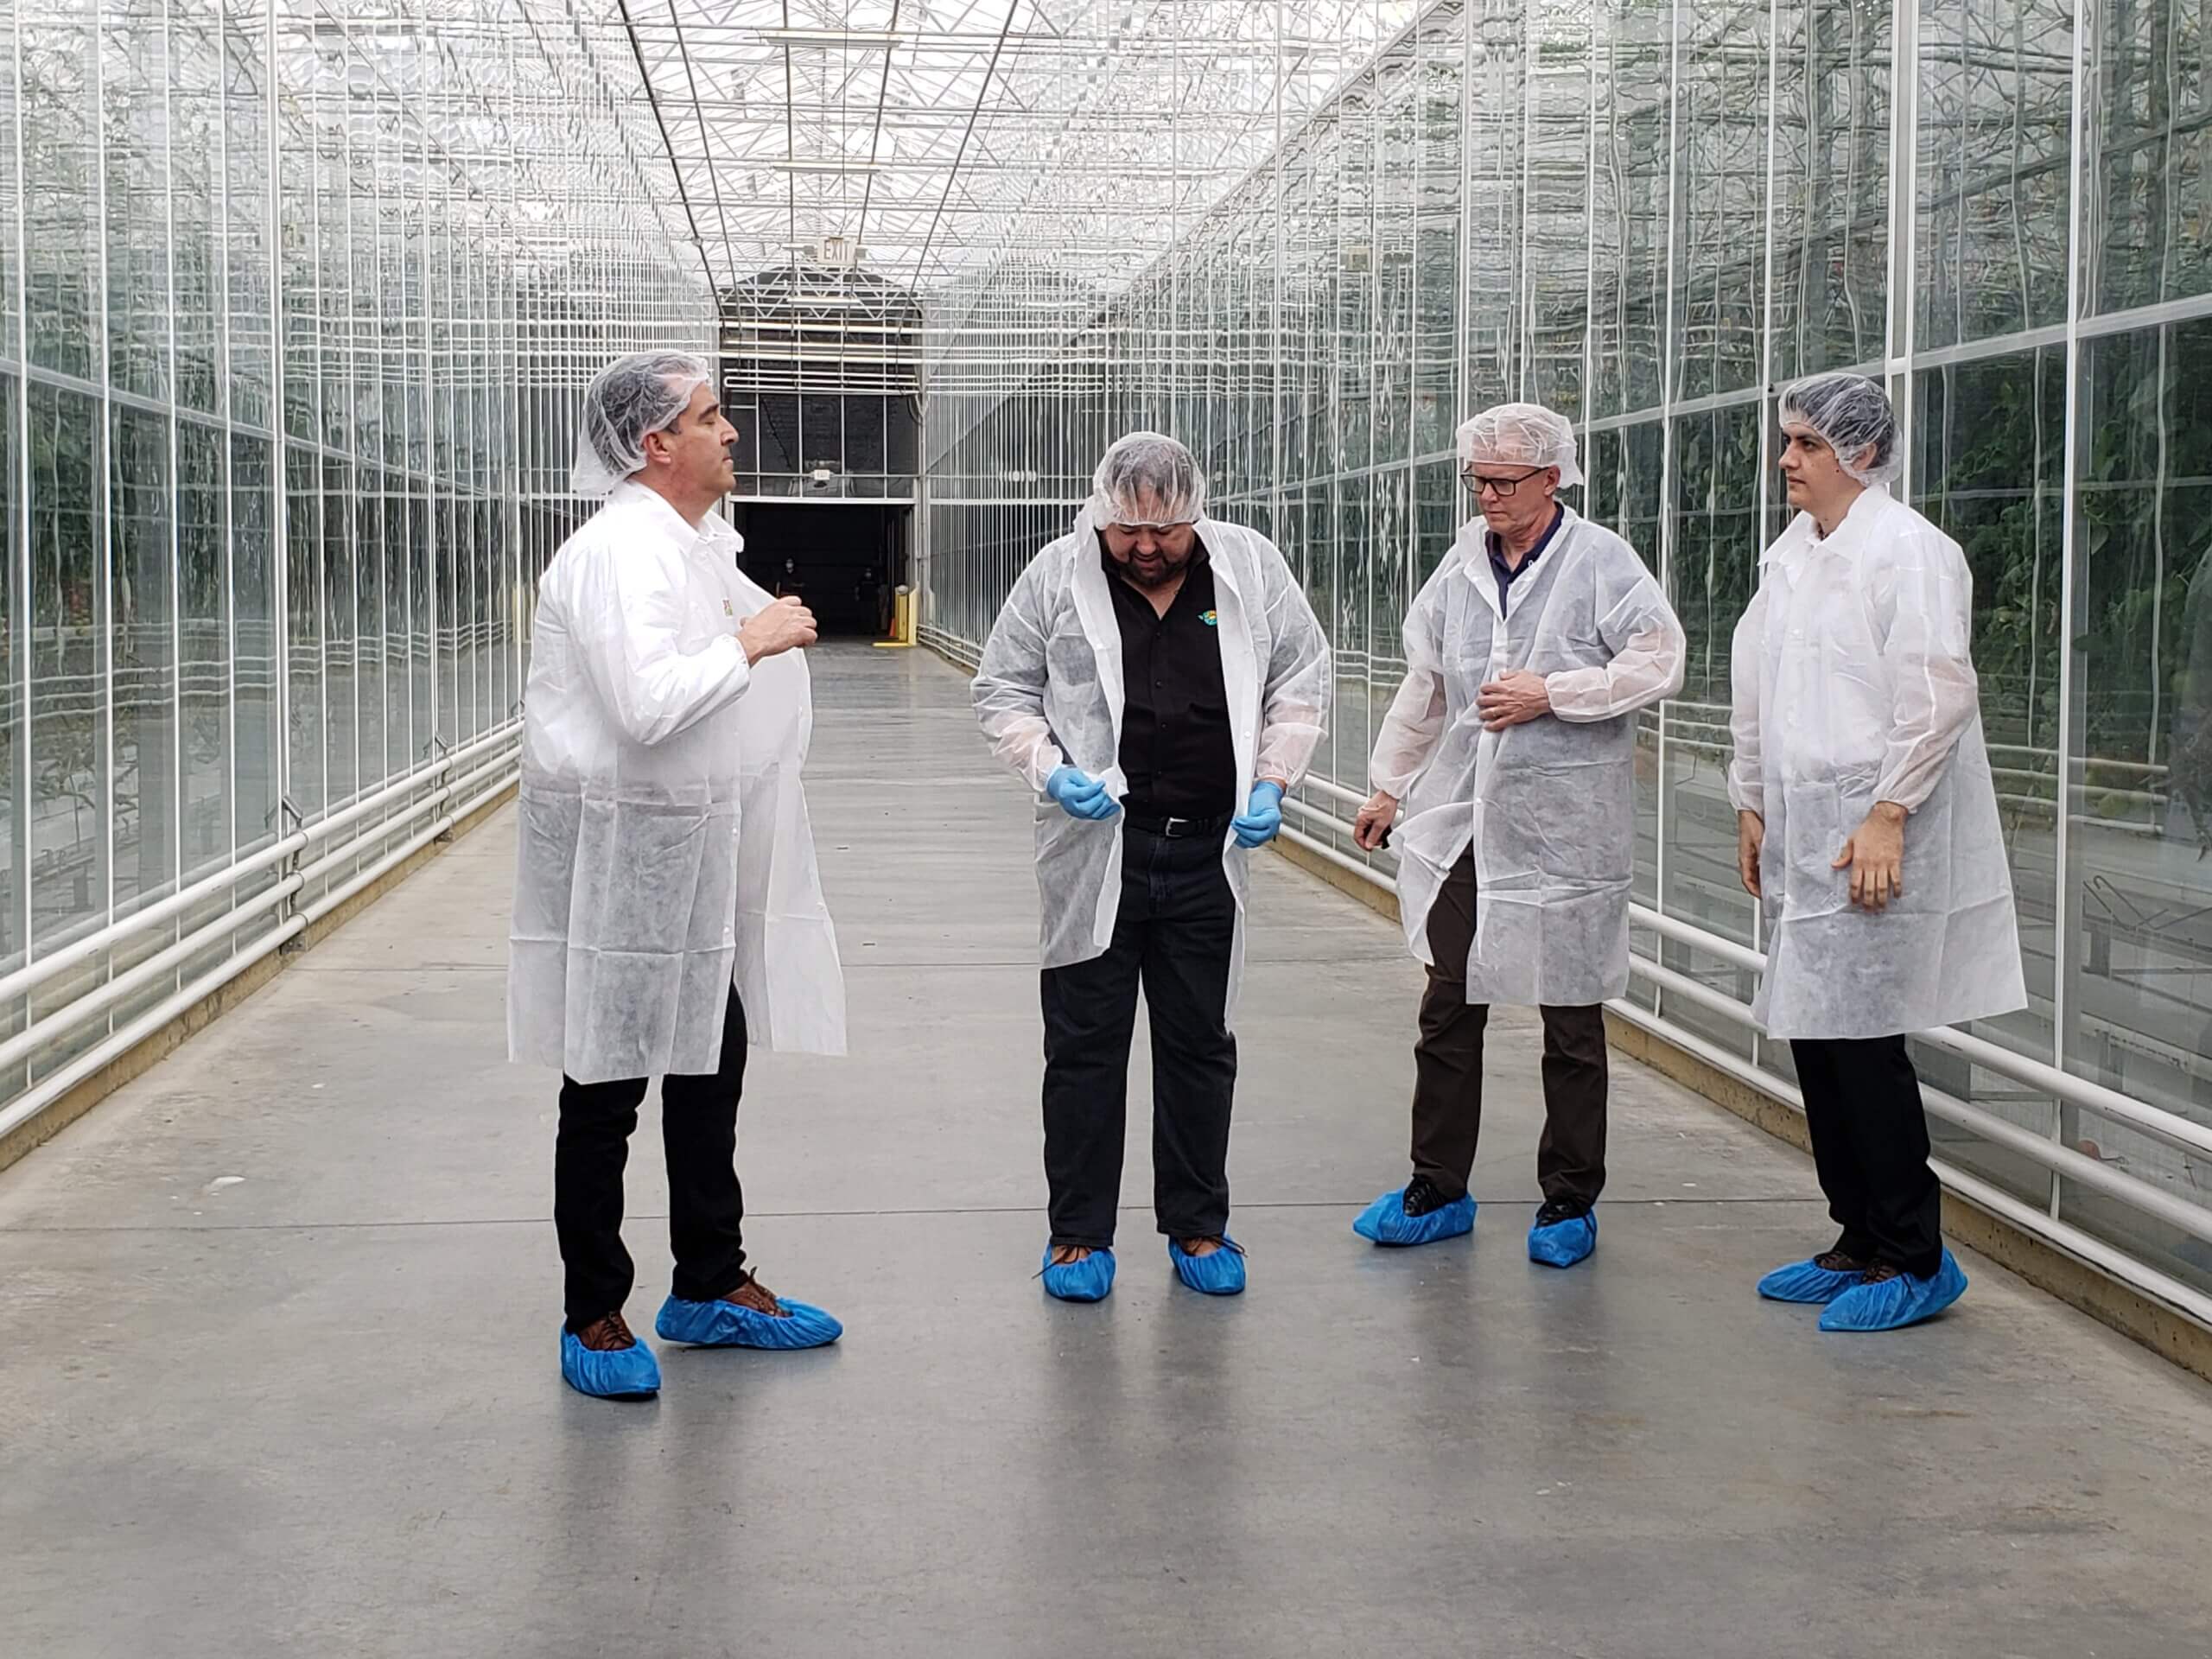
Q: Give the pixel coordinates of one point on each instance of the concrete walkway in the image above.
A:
(279, 1373)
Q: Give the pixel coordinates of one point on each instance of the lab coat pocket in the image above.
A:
(1813, 833)
(638, 865)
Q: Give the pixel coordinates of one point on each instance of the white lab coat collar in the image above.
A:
(1801, 537)
(1473, 551)
(713, 531)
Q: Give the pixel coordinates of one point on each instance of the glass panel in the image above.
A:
(1721, 188)
(204, 648)
(15, 663)
(72, 779)
(2149, 111)
(253, 577)
(1629, 204)
(243, 117)
(2139, 885)
(142, 649)
(195, 201)
(1831, 207)
(1991, 471)
(1996, 89)
(57, 42)
(1557, 231)
(1715, 570)
(134, 103)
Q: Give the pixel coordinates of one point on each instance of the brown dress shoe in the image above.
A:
(607, 1334)
(756, 1297)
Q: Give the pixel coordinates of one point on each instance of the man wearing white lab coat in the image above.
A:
(1507, 764)
(1160, 682)
(1867, 826)
(666, 902)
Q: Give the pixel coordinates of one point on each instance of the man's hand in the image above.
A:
(784, 625)
(1876, 855)
(1261, 818)
(1519, 697)
(1080, 795)
(1750, 834)
(1372, 826)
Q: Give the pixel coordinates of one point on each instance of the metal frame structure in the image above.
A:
(294, 299)
(295, 302)
(1650, 216)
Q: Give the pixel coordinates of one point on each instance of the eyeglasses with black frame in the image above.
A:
(1501, 487)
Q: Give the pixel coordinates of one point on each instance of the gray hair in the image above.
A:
(1527, 434)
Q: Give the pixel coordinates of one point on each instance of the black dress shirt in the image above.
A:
(1176, 746)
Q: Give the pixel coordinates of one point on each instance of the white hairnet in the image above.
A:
(1527, 434)
(632, 396)
(1147, 478)
(1852, 415)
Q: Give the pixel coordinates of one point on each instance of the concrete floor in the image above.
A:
(279, 1373)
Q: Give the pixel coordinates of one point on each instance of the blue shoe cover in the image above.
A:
(1806, 1281)
(1087, 1280)
(725, 1324)
(1564, 1243)
(1892, 1304)
(1386, 1222)
(628, 1373)
(1220, 1273)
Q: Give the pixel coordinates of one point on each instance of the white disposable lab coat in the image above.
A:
(1549, 805)
(664, 848)
(1853, 684)
(1050, 693)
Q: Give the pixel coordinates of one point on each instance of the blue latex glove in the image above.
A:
(1263, 816)
(1080, 795)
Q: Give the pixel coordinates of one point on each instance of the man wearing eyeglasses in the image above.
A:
(1160, 682)
(1506, 763)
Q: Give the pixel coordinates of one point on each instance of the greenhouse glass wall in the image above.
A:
(1650, 217)
(296, 298)
(293, 304)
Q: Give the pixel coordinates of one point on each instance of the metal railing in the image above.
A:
(2139, 1196)
(313, 870)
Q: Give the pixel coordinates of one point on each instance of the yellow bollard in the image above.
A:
(902, 621)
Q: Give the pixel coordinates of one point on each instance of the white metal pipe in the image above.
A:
(2068, 1237)
(337, 896)
(1322, 849)
(2036, 1074)
(36, 973)
(385, 827)
(322, 828)
(1334, 791)
(1741, 955)
(2027, 1217)
(2193, 1219)
(27, 1105)
(80, 1010)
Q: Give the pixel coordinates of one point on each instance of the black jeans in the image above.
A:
(705, 1208)
(1174, 933)
(1448, 1069)
(1869, 1146)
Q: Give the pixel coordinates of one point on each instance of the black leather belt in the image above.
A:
(1180, 828)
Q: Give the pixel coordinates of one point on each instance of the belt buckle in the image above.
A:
(1177, 829)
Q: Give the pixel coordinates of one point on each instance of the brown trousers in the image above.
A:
(1448, 1069)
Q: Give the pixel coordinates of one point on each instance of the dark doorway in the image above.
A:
(845, 561)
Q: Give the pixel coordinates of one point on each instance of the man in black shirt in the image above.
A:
(1162, 679)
